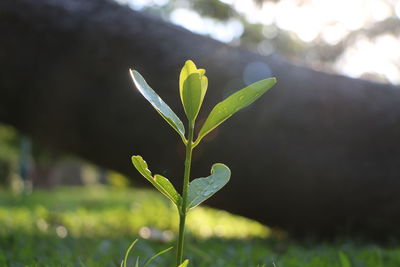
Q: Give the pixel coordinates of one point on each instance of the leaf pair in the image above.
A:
(193, 86)
(199, 190)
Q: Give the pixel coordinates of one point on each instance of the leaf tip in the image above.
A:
(189, 61)
(134, 74)
(136, 159)
(221, 166)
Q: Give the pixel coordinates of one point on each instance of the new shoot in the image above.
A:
(193, 85)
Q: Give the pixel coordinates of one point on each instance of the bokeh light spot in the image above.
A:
(256, 71)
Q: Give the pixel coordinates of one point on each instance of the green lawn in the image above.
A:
(94, 226)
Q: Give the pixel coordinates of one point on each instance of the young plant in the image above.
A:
(192, 88)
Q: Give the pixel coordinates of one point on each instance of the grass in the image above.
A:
(94, 226)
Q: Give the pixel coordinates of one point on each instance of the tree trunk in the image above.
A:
(318, 153)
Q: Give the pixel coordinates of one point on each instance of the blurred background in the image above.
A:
(356, 38)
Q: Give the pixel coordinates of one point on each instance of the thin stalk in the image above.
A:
(186, 177)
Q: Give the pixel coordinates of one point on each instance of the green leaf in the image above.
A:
(344, 260)
(157, 255)
(201, 189)
(229, 106)
(82, 264)
(191, 94)
(184, 264)
(192, 87)
(123, 263)
(162, 108)
(161, 183)
(186, 70)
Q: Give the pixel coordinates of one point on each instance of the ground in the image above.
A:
(93, 226)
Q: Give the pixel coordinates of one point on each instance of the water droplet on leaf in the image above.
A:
(205, 194)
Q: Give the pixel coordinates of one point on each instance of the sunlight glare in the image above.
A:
(381, 57)
(397, 10)
(379, 10)
(191, 20)
(311, 20)
(334, 34)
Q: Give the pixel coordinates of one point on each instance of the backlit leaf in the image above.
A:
(192, 87)
(229, 106)
(184, 264)
(201, 189)
(161, 183)
(191, 95)
(162, 108)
